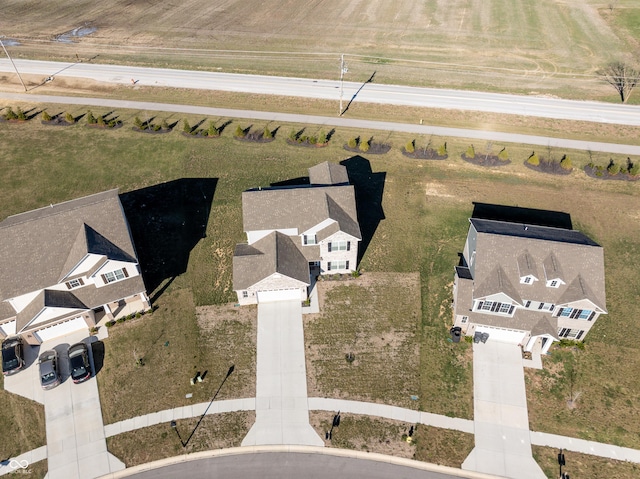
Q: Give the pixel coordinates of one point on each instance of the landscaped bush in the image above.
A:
(565, 163)
(364, 146)
(322, 138)
(239, 133)
(503, 155)
(533, 159)
(442, 150)
(186, 127)
(266, 134)
(410, 147)
(91, 120)
(10, 114)
(635, 169)
(137, 122)
(46, 116)
(613, 168)
(471, 152)
(69, 118)
(20, 114)
(352, 143)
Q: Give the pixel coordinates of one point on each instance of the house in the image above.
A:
(529, 285)
(66, 266)
(294, 234)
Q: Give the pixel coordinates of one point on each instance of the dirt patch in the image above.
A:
(424, 154)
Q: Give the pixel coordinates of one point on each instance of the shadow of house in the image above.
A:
(369, 188)
(299, 181)
(516, 214)
(166, 222)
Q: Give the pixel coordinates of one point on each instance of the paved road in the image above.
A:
(422, 130)
(540, 106)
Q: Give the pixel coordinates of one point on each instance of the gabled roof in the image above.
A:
(546, 325)
(328, 174)
(37, 246)
(275, 253)
(579, 289)
(495, 282)
(301, 208)
(553, 268)
(48, 299)
(527, 265)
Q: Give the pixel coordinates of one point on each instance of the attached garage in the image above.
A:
(60, 329)
(279, 295)
(512, 336)
(9, 328)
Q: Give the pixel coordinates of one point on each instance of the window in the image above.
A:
(333, 265)
(339, 246)
(486, 306)
(504, 308)
(584, 314)
(554, 283)
(74, 283)
(495, 307)
(464, 319)
(571, 333)
(309, 239)
(526, 280)
(116, 275)
(245, 294)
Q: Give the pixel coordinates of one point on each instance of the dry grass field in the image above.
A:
(529, 46)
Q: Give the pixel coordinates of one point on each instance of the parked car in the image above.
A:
(79, 363)
(12, 356)
(48, 363)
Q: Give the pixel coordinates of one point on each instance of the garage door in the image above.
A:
(278, 295)
(60, 329)
(505, 335)
(9, 328)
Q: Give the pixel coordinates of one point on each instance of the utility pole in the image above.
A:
(343, 70)
(14, 65)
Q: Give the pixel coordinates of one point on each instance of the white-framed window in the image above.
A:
(526, 280)
(245, 294)
(553, 283)
(486, 306)
(504, 308)
(339, 246)
(570, 333)
(113, 276)
(74, 283)
(308, 239)
(577, 313)
(335, 265)
(495, 307)
(464, 319)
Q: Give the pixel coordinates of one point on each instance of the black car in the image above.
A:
(48, 364)
(79, 362)
(12, 356)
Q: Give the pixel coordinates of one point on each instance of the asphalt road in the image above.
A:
(276, 465)
(371, 92)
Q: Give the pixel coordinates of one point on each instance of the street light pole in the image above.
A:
(343, 70)
(14, 65)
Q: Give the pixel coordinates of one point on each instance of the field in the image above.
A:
(422, 226)
(526, 46)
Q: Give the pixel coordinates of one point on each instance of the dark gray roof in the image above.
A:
(37, 246)
(275, 253)
(328, 174)
(531, 232)
(301, 208)
(463, 272)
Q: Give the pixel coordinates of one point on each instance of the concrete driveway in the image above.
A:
(501, 420)
(282, 408)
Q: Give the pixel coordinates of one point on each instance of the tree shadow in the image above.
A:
(76, 119)
(224, 125)
(173, 125)
(330, 134)
(275, 132)
(369, 187)
(197, 125)
(167, 221)
(516, 214)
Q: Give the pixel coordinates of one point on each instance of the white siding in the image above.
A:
(253, 236)
(340, 255)
(49, 313)
(9, 328)
(132, 270)
(88, 262)
(21, 302)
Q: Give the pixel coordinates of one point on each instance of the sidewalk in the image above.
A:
(282, 411)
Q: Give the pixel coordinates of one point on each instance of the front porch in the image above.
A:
(126, 306)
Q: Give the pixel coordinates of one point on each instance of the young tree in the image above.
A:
(364, 146)
(21, 115)
(410, 147)
(138, 123)
(352, 143)
(266, 134)
(442, 149)
(239, 133)
(533, 159)
(471, 152)
(69, 118)
(186, 126)
(565, 163)
(46, 116)
(503, 155)
(621, 76)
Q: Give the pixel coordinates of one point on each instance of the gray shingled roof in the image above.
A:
(328, 174)
(48, 299)
(275, 253)
(300, 208)
(583, 258)
(526, 265)
(36, 246)
(546, 325)
(496, 281)
(553, 268)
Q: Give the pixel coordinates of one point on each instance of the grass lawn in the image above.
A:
(36, 470)
(422, 226)
(583, 465)
(21, 423)
(217, 431)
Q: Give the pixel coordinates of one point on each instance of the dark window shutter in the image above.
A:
(81, 282)
(348, 245)
(68, 285)
(591, 316)
(560, 311)
(104, 278)
(563, 332)
(347, 265)
(329, 246)
(540, 305)
(580, 333)
(304, 239)
(511, 309)
(480, 305)
(329, 266)
(124, 270)
(495, 306)
(527, 304)
(575, 313)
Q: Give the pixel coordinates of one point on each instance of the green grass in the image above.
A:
(583, 465)
(218, 431)
(36, 470)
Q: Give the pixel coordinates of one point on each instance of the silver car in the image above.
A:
(49, 375)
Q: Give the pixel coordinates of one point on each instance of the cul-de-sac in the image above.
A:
(334, 238)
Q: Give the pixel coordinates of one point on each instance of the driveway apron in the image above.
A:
(502, 438)
(282, 409)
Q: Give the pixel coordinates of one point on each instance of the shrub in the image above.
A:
(20, 114)
(613, 169)
(442, 149)
(471, 152)
(635, 169)
(565, 163)
(100, 120)
(112, 123)
(138, 123)
(109, 324)
(591, 165)
(164, 125)
(599, 173)
(364, 146)
(410, 147)
(267, 133)
(239, 133)
(352, 143)
(293, 135)
(533, 159)
(121, 320)
(91, 120)
(503, 155)
(186, 127)
(10, 114)
(46, 116)
(313, 140)
(155, 127)
(322, 138)
(69, 118)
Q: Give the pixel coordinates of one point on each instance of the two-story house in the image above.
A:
(295, 233)
(528, 284)
(65, 266)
